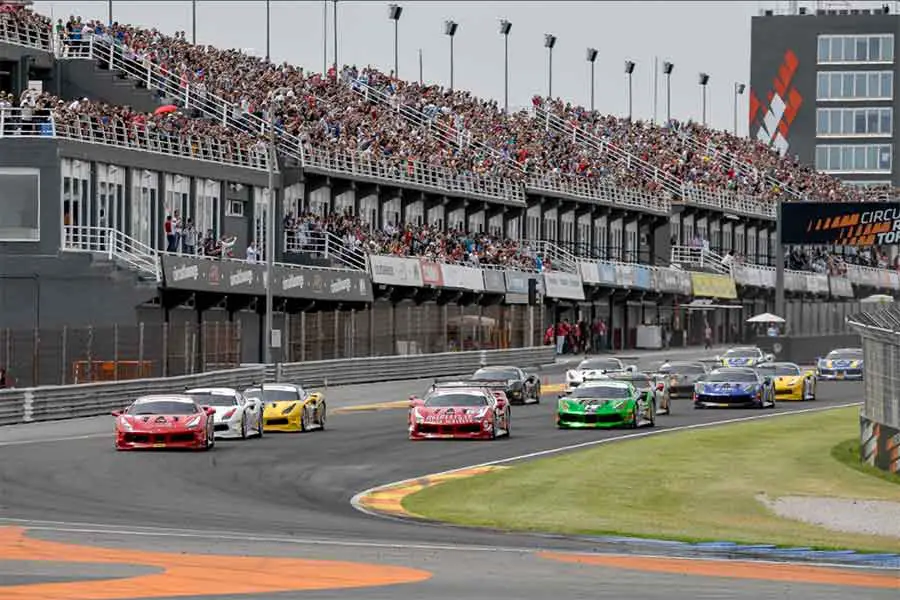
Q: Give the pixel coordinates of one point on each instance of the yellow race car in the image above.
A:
(791, 382)
(288, 407)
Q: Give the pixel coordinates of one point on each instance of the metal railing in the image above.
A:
(693, 256)
(559, 259)
(326, 246)
(730, 202)
(600, 191)
(40, 123)
(24, 32)
(115, 246)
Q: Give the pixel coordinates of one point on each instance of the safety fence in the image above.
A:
(880, 416)
(24, 405)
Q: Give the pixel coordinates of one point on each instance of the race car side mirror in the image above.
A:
(117, 413)
(208, 410)
(660, 387)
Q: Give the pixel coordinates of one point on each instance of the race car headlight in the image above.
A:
(482, 413)
(194, 422)
(620, 404)
(289, 409)
(417, 416)
(126, 424)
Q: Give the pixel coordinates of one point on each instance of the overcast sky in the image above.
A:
(709, 36)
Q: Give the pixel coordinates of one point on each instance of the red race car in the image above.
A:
(172, 421)
(460, 410)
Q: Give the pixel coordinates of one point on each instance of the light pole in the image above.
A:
(268, 28)
(194, 22)
(109, 12)
(591, 56)
(274, 100)
(394, 13)
(549, 42)
(420, 67)
(668, 67)
(335, 41)
(629, 71)
(703, 79)
(738, 90)
(505, 28)
(450, 28)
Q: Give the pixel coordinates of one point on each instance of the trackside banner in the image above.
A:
(840, 223)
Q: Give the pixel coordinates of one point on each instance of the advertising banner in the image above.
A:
(643, 278)
(707, 285)
(840, 223)
(589, 273)
(517, 282)
(607, 274)
(463, 278)
(432, 275)
(840, 287)
(818, 284)
(394, 270)
(685, 288)
(494, 281)
(238, 277)
(563, 285)
(625, 276)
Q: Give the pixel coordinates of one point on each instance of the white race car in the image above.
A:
(596, 368)
(236, 416)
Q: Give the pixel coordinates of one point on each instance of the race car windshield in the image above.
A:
(845, 355)
(273, 395)
(447, 400)
(682, 370)
(606, 364)
(601, 391)
(740, 353)
(207, 399)
(163, 407)
(641, 381)
(780, 371)
(495, 374)
(731, 377)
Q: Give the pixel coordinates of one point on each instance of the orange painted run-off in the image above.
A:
(735, 569)
(189, 574)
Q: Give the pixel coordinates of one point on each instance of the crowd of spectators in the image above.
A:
(424, 241)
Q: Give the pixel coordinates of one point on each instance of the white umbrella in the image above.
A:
(877, 299)
(765, 318)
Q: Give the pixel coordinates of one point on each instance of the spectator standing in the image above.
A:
(189, 237)
(562, 331)
(600, 335)
(169, 228)
(707, 336)
(251, 253)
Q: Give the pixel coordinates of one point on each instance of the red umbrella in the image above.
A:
(164, 110)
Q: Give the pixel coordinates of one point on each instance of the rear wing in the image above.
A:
(482, 383)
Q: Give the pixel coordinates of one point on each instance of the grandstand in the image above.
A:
(160, 148)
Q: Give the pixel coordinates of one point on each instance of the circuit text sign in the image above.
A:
(841, 223)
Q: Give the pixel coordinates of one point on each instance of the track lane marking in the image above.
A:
(189, 574)
(732, 569)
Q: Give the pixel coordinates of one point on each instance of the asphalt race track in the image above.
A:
(288, 497)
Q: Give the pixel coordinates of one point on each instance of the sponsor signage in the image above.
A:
(239, 277)
(670, 281)
(707, 285)
(643, 278)
(817, 284)
(563, 285)
(841, 223)
(606, 274)
(589, 272)
(464, 278)
(395, 270)
(880, 443)
(840, 287)
(625, 276)
(494, 281)
(517, 286)
(432, 274)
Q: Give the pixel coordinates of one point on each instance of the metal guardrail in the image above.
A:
(49, 403)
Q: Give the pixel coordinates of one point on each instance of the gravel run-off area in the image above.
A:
(868, 517)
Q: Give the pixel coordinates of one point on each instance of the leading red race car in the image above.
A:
(170, 421)
(460, 410)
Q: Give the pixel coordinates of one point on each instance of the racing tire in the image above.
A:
(322, 417)
(508, 421)
(634, 418)
(210, 440)
(537, 394)
(304, 419)
(244, 427)
(260, 427)
(652, 415)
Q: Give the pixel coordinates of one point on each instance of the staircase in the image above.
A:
(553, 256)
(692, 258)
(88, 79)
(324, 249)
(112, 247)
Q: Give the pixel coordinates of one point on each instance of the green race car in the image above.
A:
(606, 403)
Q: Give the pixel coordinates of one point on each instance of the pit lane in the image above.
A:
(293, 491)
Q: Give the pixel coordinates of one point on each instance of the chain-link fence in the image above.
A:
(880, 332)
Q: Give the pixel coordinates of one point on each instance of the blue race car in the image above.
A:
(744, 356)
(842, 364)
(734, 387)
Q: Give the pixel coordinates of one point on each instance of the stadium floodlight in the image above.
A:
(505, 28)
(738, 91)
(450, 28)
(591, 56)
(394, 13)
(703, 80)
(549, 42)
(667, 69)
(629, 72)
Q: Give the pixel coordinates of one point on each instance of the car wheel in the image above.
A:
(210, 438)
(653, 414)
(304, 419)
(634, 418)
(537, 394)
(508, 421)
(322, 416)
(244, 427)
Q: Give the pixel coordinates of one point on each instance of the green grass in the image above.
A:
(692, 485)
(848, 453)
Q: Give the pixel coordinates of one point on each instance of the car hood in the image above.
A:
(739, 361)
(161, 422)
(841, 364)
(788, 380)
(277, 408)
(726, 387)
(595, 406)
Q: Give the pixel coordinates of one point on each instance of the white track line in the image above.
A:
(355, 501)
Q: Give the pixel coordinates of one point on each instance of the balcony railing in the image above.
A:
(691, 256)
(602, 192)
(23, 32)
(34, 123)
